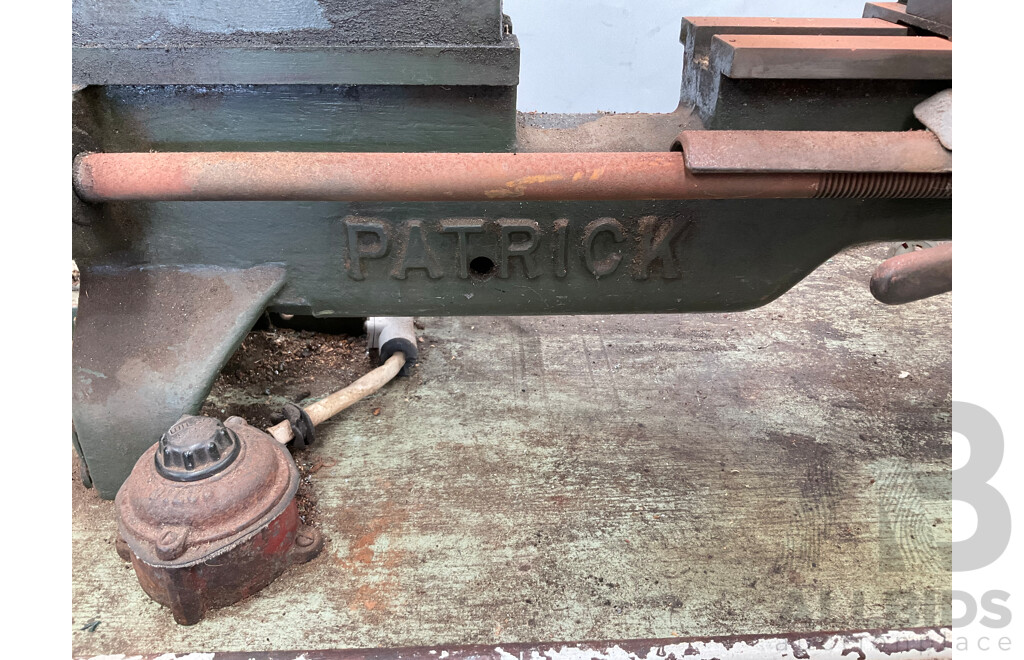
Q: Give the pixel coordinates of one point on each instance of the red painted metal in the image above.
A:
(197, 545)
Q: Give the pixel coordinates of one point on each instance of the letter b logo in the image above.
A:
(970, 484)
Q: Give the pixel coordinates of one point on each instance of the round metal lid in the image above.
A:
(195, 448)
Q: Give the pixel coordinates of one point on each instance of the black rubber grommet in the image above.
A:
(400, 345)
(303, 434)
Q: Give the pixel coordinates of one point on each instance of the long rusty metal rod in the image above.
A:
(268, 176)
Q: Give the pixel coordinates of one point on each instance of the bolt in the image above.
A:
(171, 544)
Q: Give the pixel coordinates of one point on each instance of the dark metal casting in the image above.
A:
(148, 343)
(698, 31)
(830, 57)
(193, 42)
(733, 152)
(827, 75)
(390, 75)
(169, 288)
(939, 11)
(898, 13)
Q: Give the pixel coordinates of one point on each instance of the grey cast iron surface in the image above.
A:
(566, 478)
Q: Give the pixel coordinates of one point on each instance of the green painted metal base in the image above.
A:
(148, 344)
(157, 332)
(517, 257)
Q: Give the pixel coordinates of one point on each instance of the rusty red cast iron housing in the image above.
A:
(208, 516)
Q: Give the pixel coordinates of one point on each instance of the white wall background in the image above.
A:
(623, 55)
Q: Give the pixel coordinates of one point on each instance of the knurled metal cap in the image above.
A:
(195, 448)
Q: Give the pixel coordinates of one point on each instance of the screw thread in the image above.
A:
(885, 185)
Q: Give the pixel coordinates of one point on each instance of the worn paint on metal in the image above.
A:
(698, 31)
(861, 86)
(370, 259)
(288, 65)
(709, 152)
(914, 275)
(939, 11)
(191, 42)
(148, 343)
(832, 57)
(896, 13)
(255, 176)
(207, 117)
(362, 177)
(224, 17)
(197, 545)
(177, 24)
